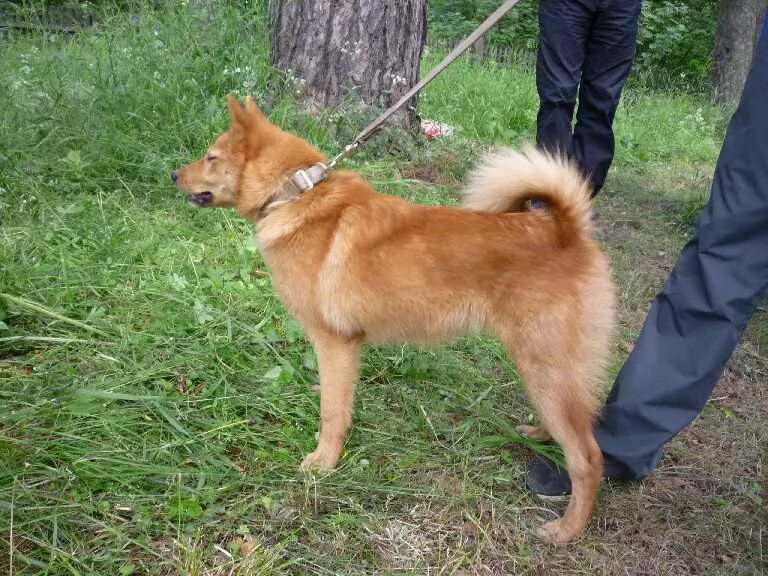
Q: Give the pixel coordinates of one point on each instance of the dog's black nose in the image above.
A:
(174, 176)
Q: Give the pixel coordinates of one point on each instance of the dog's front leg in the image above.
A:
(338, 360)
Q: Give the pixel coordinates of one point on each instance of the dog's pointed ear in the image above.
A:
(253, 110)
(236, 110)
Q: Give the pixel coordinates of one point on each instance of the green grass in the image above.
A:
(156, 398)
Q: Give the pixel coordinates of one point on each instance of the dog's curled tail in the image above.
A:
(507, 179)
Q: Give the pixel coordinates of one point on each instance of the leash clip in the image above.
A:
(343, 154)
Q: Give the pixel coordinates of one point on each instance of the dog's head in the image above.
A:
(244, 164)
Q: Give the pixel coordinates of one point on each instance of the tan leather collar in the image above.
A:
(294, 186)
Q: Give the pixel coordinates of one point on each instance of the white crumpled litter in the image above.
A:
(433, 129)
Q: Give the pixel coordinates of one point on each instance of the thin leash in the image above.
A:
(303, 180)
(376, 125)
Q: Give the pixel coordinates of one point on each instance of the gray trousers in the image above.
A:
(696, 321)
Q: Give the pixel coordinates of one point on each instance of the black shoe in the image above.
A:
(548, 480)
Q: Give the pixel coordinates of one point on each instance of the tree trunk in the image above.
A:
(333, 51)
(735, 43)
(478, 50)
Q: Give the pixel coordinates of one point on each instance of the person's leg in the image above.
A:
(764, 29)
(563, 29)
(697, 320)
(610, 52)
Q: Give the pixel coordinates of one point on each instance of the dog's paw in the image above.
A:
(318, 460)
(534, 432)
(556, 532)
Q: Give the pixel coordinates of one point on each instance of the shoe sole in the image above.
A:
(553, 497)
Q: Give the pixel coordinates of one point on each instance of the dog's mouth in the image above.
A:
(201, 199)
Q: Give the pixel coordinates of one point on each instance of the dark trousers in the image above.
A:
(697, 320)
(586, 46)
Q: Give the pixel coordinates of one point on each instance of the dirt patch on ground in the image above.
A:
(425, 173)
(442, 167)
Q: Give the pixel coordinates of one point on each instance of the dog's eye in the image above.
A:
(211, 157)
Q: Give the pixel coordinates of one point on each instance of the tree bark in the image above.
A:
(478, 50)
(735, 43)
(333, 51)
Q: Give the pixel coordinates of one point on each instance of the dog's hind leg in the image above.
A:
(557, 386)
(338, 360)
(584, 462)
